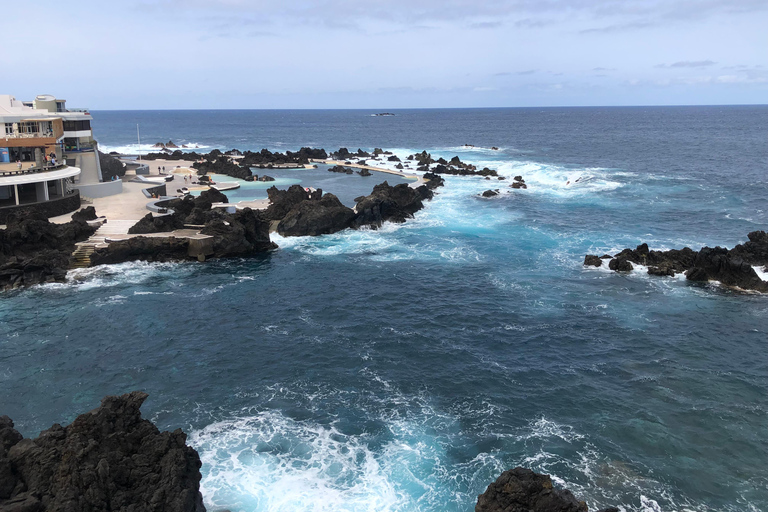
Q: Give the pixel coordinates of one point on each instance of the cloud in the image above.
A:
(486, 24)
(603, 69)
(688, 64)
(620, 27)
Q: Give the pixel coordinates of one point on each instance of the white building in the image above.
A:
(46, 128)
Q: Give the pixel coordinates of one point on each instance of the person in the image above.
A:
(18, 164)
(163, 168)
(158, 169)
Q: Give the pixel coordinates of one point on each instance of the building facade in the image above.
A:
(47, 152)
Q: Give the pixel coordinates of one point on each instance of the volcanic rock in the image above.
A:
(364, 172)
(592, 260)
(620, 265)
(490, 193)
(107, 459)
(522, 490)
(34, 250)
(316, 217)
(388, 203)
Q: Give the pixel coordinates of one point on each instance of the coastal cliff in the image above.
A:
(107, 459)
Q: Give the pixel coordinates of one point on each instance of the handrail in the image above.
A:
(33, 170)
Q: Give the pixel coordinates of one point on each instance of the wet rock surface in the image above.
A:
(34, 250)
(733, 268)
(522, 490)
(107, 459)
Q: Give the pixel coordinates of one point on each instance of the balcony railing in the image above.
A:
(32, 169)
(29, 135)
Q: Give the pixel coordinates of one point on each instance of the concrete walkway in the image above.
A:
(419, 180)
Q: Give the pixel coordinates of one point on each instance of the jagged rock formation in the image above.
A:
(110, 166)
(455, 166)
(340, 169)
(490, 193)
(518, 182)
(388, 203)
(364, 172)
(244, 233)
(302, 213)
(322, 216)
(34, 250)
(107, 459)
(731, 268)
(265, 157)
(189, 210)
(522, 490)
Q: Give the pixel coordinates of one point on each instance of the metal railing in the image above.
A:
(32, 170)
(29, 135)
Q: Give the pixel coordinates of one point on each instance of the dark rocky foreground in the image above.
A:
(112, 459)
(522, 490)
(730, 267)
(107, 459)
(34, 250)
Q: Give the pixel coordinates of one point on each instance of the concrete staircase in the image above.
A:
(81, 258)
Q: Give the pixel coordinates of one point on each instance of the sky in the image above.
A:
(387, 54)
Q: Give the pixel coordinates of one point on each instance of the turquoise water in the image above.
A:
(404, 369)
(346, 187)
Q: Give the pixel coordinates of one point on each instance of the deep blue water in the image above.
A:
(404, 369)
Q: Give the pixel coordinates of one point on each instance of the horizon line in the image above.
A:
(381, 110)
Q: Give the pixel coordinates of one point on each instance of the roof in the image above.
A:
(37, 177)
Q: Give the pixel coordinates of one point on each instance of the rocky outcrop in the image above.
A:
(316, 217)
(187, 210)
(388, 203)
(364, 172)
(142, 248)
(34, 250)
(107, 459)
(732, 268)
(433, 180)
(490, 193)
(522, 490)
(591, 260)
(518, 182)
(244, 233)
(340, 169)
(455, 166)
(283, 201)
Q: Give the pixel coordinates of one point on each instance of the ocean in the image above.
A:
(404, 369)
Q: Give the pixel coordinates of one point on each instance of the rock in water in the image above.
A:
(593, 260)
(522, 490)
(316, 217)
(620, 265)
(107, 459)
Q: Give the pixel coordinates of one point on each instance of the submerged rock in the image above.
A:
(107, 459)
(522, 490)
(490, 193)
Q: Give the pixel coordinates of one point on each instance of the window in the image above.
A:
(9, 128)
(74, 126)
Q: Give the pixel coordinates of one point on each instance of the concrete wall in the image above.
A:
(51, 208)
(104, 189)
(88, 162)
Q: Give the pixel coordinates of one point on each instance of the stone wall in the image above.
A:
(50, 208)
